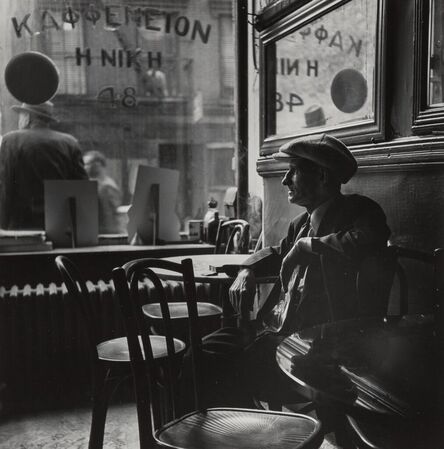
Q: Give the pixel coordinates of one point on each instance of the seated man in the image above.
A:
(343, 228)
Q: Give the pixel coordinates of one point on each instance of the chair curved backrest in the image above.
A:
(78, 291)
(226, 233)
(126, 280)
(434, 263)
(374, 281)
(374, 276)
(370, 433)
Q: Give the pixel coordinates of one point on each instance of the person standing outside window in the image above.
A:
(29, 156)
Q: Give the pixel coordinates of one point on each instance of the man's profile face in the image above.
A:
(303, 180)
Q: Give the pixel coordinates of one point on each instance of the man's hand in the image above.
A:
(242, 292)
(299, 254)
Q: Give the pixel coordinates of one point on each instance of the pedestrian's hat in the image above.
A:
(45, 110)
(324, 150)
(314, 116)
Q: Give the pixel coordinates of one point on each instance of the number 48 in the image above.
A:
(127, 100)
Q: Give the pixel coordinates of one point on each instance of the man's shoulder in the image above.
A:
(357, 201)
(39, 135)
(62, 136)
(11, 135)
(16, 139)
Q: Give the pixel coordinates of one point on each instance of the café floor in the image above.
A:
(69, 429)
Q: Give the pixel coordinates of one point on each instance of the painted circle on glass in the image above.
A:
(32, 77)
(349, 90)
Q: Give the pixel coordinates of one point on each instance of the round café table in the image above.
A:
(210, 268)
(385, 375)
(218, 270)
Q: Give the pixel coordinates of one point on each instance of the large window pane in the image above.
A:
(322, 74)
(147, 82)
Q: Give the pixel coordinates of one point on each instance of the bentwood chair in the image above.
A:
(233, 236)
(384, 283)
(202, 428)
(421, 273)
(209, 314)
(374, 276)
(110, 360)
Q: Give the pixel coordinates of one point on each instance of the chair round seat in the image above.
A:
(116, 350)
(226, 341)
(220, 428)
(178, 310)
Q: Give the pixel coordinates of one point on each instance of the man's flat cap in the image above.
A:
(324, 150)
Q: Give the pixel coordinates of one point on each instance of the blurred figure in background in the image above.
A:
(110, 196)
(155, 83)
(28, 156)
(255, 218)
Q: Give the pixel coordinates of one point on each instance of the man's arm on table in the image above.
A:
(366, 232)
(265, 262)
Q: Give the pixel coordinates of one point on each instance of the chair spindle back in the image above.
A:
(78, 291)
(126, 280)
(227, 232)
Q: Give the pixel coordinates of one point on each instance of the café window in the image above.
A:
(322, 71)
(429, 67)
(227, 56)
(141, 82)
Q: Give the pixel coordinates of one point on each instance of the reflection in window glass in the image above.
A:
(148, 82)
(436, 54)
(323, 72)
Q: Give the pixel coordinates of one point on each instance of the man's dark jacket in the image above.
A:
(353, 227)
(27, 158)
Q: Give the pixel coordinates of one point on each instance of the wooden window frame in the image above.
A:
(361, 132)
(426, 119)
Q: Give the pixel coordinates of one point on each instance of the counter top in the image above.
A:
(96, 262)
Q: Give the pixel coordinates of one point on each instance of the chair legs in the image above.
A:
(143, 415)
(103, 388)
(334, 420)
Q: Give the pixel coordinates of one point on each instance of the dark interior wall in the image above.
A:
(412, 199)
